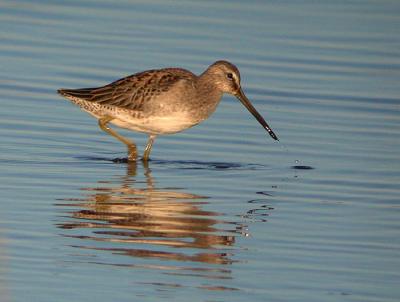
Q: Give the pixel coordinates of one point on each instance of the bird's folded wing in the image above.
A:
(131, 92)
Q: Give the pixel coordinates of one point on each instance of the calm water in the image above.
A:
(222, 212)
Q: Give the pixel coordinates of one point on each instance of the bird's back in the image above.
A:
(132, 92)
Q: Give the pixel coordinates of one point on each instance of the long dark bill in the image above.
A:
(245, 101)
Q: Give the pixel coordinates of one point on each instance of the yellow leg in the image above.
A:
(132, 151)
(148, 147)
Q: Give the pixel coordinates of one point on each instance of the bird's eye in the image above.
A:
(229, 75)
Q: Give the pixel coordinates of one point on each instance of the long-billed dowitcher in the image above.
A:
(162, 101)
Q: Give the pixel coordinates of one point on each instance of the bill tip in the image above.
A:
(272, 134)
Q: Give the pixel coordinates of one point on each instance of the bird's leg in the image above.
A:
(132, 151)
(147, 151)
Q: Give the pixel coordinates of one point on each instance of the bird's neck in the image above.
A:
(207, 86)
(208, 96)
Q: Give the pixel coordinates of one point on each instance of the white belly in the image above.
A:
(155, 125)
(158, 124)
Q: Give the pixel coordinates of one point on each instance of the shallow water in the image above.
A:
(222, 212)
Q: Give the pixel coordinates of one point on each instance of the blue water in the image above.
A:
(222, 212)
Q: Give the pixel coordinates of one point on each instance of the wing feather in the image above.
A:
(133, 91)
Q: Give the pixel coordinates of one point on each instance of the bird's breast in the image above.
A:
(157, 124)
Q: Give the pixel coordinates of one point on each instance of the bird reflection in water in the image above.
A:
(143, 221)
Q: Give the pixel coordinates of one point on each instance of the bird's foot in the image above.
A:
(132, 153)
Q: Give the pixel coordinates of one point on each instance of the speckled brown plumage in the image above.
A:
(161, 101)
(133, 91)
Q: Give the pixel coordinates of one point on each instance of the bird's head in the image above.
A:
(226, 77)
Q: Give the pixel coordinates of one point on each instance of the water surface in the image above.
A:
(222, 212)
